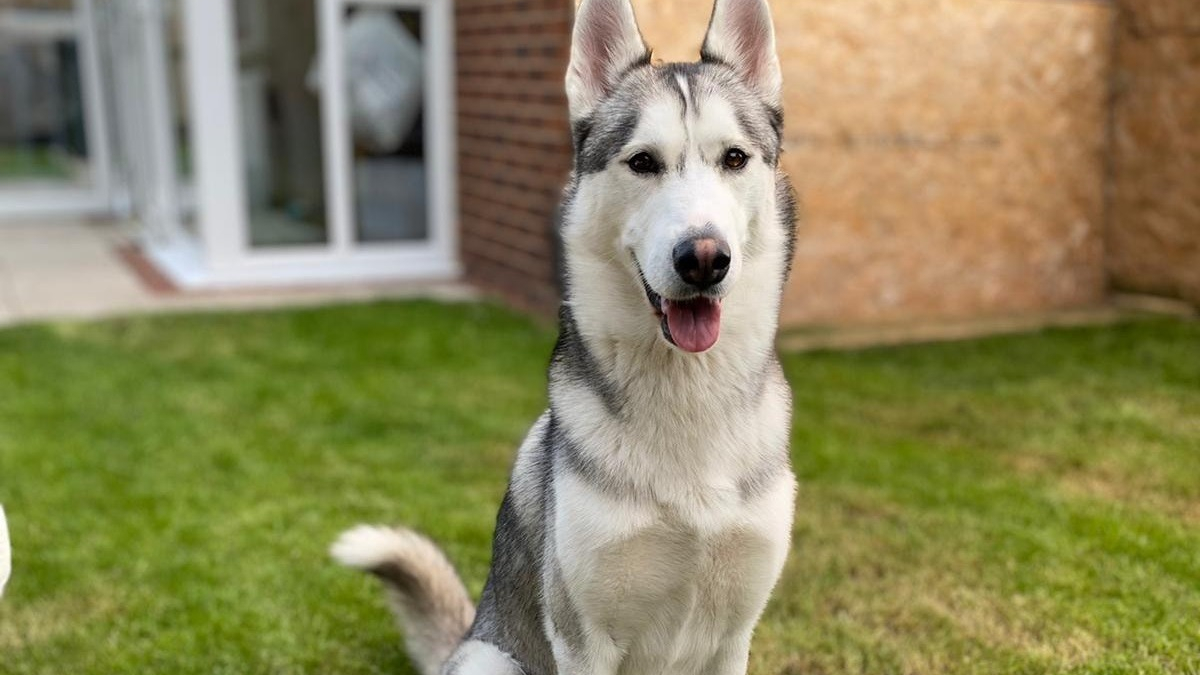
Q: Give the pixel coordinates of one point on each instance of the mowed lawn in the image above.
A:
(1022, 504)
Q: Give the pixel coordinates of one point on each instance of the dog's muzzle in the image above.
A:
(691, 324)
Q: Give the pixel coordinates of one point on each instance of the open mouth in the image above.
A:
(693, 324)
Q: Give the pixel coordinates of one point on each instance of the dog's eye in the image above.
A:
(735, 159)
(643, 162)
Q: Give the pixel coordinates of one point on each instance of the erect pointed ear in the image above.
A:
(741, 35)
(605, 43)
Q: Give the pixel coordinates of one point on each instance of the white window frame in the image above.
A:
(222, 255)
(39, 199)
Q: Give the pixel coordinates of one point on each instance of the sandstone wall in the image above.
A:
(1154, 224)
(949, 153)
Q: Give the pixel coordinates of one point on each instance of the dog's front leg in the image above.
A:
(595, 657)
(731, 657)
(579, 649)
(474, 657)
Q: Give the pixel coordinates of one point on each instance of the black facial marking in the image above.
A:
(671, 77)
(601, 135)
(758, 123)
(600, 138)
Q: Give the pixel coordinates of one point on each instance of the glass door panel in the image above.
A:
(384, 65)
(280, 114)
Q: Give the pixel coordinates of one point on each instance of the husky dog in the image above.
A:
(649, 511)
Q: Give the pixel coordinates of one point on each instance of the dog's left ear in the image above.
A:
(605, 43)
(741, 35)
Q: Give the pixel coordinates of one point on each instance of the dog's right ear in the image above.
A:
(742, 35)
(605, 43)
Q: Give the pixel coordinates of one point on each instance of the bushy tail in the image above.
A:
(5, 551)
(429, 599)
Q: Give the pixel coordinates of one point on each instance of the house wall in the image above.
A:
(514, 143)
(1154, 224)
(948, 153)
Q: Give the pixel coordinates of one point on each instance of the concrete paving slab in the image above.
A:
(65, 269)
(76, 270)
(51, 242)
(7, 304)
(79, 288)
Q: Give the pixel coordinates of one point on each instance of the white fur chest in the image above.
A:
(662, 589)
(666, 551)
(673, 508)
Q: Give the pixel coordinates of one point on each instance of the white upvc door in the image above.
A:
(246, 232)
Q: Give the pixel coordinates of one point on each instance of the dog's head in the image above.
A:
(675, 164)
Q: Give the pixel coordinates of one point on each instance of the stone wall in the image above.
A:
(1154, 223)
(949, 153)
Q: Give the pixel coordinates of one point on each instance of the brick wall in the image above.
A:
(514, 143)
(1154, 222)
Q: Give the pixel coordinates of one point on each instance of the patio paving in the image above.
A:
(52, 270)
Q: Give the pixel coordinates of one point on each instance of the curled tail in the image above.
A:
(429, 599)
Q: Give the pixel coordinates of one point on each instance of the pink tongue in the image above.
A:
(695, 324)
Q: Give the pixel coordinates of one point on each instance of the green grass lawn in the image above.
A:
(1012, 505)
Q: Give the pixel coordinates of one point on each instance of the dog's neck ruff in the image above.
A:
(649, 422)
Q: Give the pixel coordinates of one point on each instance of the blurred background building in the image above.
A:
(956, 158)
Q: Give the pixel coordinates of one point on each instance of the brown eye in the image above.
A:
(735, 159)
(643, 162)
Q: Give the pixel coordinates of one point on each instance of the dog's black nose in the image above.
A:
(702, 262)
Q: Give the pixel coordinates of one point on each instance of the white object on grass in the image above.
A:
(5, 552)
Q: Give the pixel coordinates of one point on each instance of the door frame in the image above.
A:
(222, 256)
(136, 66)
